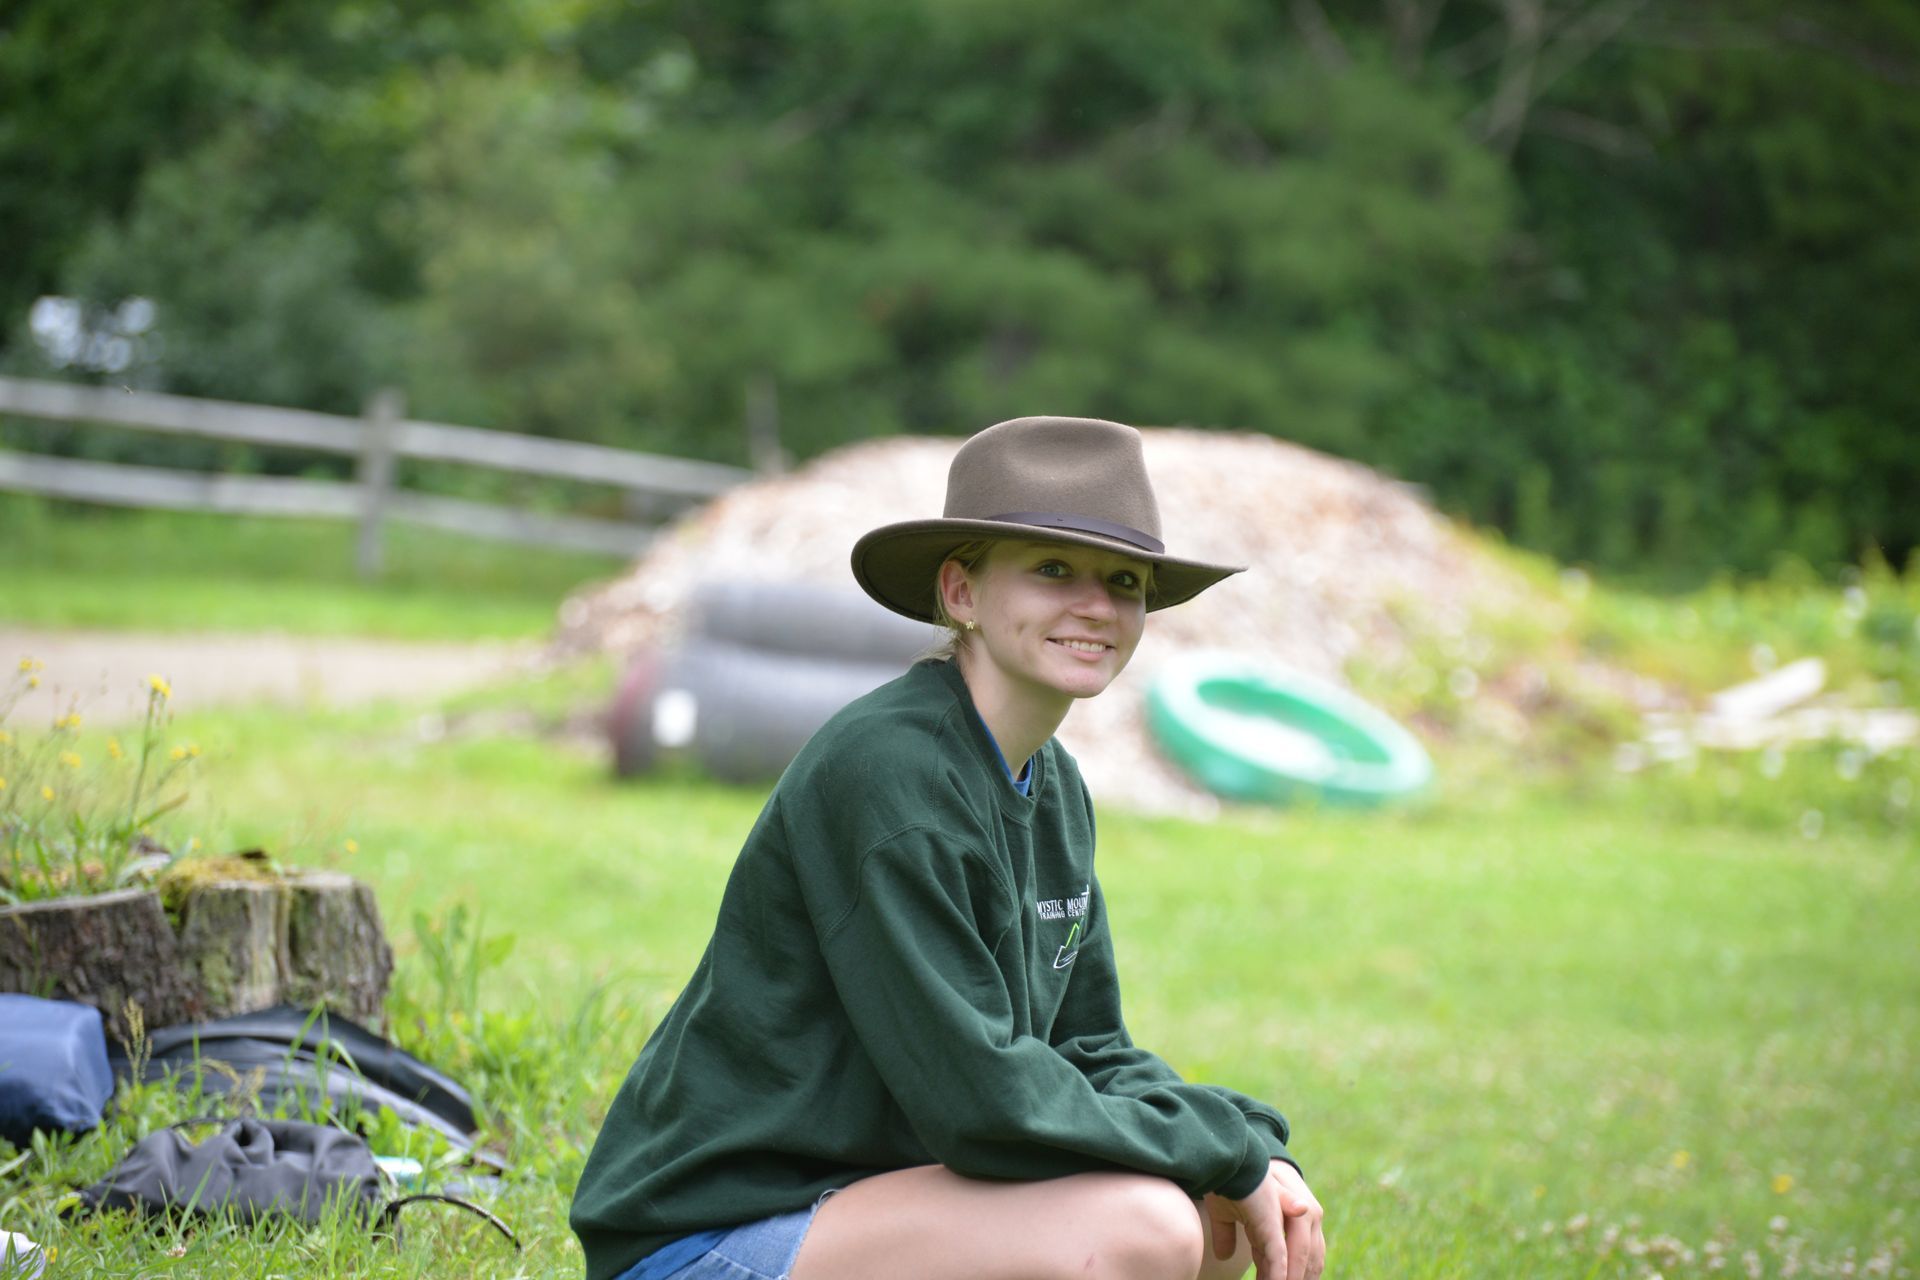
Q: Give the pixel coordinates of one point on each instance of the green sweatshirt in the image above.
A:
(910, 966)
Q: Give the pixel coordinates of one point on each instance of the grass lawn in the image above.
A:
(67, 565)
(1582, 1024)
(1526, 1034)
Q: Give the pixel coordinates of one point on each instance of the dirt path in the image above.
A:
(105, 673)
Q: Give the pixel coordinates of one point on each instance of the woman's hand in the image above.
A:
(1283, 1225)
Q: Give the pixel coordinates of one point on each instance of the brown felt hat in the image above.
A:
(1076, 480)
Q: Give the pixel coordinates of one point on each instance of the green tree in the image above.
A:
(1631, 281)
(1693, 342)
(90, 95)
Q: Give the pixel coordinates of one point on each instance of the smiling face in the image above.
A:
(1055, 620)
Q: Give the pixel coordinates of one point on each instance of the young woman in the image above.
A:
(902, 1055)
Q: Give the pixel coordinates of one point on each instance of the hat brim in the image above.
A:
(897, 564)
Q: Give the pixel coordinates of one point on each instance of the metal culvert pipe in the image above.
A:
(762, 667)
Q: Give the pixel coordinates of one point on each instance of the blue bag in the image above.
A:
(53, 1067)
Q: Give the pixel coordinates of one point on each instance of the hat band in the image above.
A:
(1084, 524)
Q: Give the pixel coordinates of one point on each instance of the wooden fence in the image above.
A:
(381, 435)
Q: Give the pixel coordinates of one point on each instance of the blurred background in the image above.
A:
(1551, 361)
(1631, 282)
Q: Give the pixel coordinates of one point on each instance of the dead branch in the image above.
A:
(1874, 62)
(1506, 112)
(1533, 63)
(1412, 23)
(1597, 27)
(1321, 38)
(1601, 135)
(1475, 53)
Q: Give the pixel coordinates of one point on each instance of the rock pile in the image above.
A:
(1332, 549)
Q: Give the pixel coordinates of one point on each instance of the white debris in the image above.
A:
(1779, 709)
(1772, 693)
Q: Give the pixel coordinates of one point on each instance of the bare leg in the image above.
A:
(1230, 1268)
(933, 1224)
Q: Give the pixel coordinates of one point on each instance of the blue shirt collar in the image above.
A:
(1024, 783)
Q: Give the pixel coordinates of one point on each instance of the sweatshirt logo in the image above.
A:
(1069, 950)
(1073, 909)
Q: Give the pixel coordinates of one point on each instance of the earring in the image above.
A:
(971, 625)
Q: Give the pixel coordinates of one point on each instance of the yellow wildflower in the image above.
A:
(3, 784)
(113, 748)
(178, 753)
(71, 759)
(353, 846)
(193, 748)
(68, 721)
(33, 682)
(46, 793)
(160, 686)
(5, 737)
(1681, 1159)
(30, 664)
(1782, 1183)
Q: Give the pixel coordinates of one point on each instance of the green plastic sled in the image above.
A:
(1252, 730)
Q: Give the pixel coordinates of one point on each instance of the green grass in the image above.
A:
(65, 565)
(1506, 1010)
(1560, 1021)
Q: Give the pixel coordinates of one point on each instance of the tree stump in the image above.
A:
(336, 950)
(241, 944)
(102, 951)
(231, 943)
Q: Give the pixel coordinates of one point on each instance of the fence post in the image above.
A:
(379, 421)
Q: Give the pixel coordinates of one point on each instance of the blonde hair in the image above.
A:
(969, 556)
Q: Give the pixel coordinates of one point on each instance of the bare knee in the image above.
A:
(1155, 1233)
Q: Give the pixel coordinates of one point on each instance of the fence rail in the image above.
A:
(382, 434)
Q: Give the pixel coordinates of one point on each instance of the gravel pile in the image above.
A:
(1331, 546)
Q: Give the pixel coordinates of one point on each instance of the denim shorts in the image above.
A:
(762, 1250)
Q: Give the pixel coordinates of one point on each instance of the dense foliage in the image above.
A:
(1629, 280)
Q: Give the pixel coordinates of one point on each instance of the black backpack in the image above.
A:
(308, 1058)
(255, 1169)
